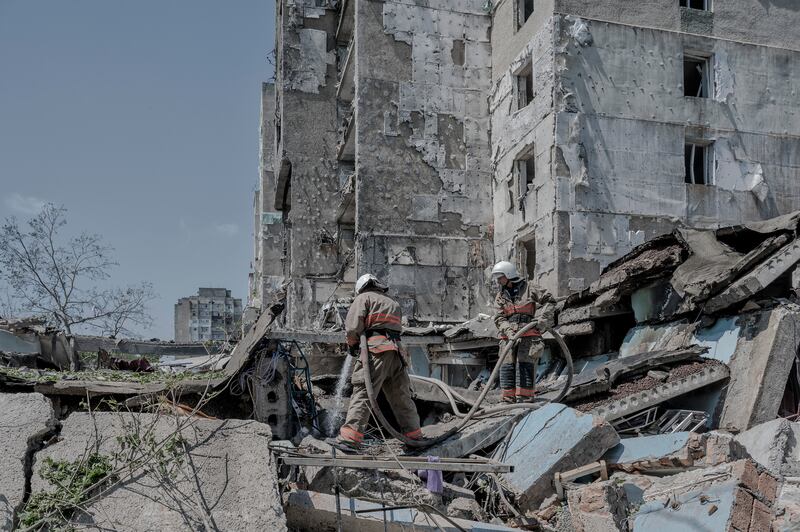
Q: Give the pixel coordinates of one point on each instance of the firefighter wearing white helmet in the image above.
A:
(517, 304)
(378, 316)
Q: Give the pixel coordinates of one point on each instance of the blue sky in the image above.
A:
(141, 117)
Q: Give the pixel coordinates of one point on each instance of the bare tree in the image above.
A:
(58, 277)
(9, 306)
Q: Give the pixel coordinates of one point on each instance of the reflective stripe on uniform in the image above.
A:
(508, 392)
(525, 392)
(530, 332)
(382, 348)
(351, 434)
(526, 308)
(381, 319)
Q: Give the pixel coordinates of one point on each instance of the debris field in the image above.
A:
(680, 410)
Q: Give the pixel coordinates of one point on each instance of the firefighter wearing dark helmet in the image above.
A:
(516, 305)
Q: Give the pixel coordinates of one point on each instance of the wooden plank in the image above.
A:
(355, 462)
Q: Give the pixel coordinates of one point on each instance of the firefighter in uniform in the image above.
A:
(516, 304)
(378, 315)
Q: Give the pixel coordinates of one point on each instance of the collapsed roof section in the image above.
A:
(693, 271)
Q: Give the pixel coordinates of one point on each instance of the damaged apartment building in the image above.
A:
(423, 141)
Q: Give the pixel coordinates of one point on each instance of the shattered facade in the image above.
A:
(422, 142)
(614, 114)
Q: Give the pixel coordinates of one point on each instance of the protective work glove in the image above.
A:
(353, 350)
(508, 330)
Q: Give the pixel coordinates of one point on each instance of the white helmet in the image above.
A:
(505, 268)
(368, 280)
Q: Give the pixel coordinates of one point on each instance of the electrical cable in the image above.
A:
(366, 362)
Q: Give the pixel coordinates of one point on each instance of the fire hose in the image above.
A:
(475, 410)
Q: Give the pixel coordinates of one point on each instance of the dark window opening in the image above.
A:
(524, 11)
(790, 404)
(698, 163)
(696, 76)
(703, 5)
(528, 253)
(526, 173)
(525, 86)
(510, 198)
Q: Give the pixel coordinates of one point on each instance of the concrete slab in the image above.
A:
(225, 479)
(647, 448)
(689, 512)
(760, 367)
(549, 440)
(729, 496)
(772, 444)
(474, 437)
(25, 419)
(308, 511)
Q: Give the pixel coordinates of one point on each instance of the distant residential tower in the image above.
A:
(210, 315)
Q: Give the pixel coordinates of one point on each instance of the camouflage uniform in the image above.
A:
(516, 306)
(379, 315)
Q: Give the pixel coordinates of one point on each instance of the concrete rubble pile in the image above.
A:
(680, 410)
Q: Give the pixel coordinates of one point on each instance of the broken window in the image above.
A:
(696, 75)
(698, 163)
(524, 80)
(524, 12)
(527, 254)
(525, 170)
(703, 5)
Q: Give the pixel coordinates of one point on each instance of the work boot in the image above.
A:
(526, 399)
(508, 382)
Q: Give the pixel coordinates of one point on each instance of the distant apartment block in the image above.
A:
(210, 315)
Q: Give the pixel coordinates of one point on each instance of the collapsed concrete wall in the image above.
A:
(218, 474)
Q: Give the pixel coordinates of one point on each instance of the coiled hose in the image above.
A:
(475, 410)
